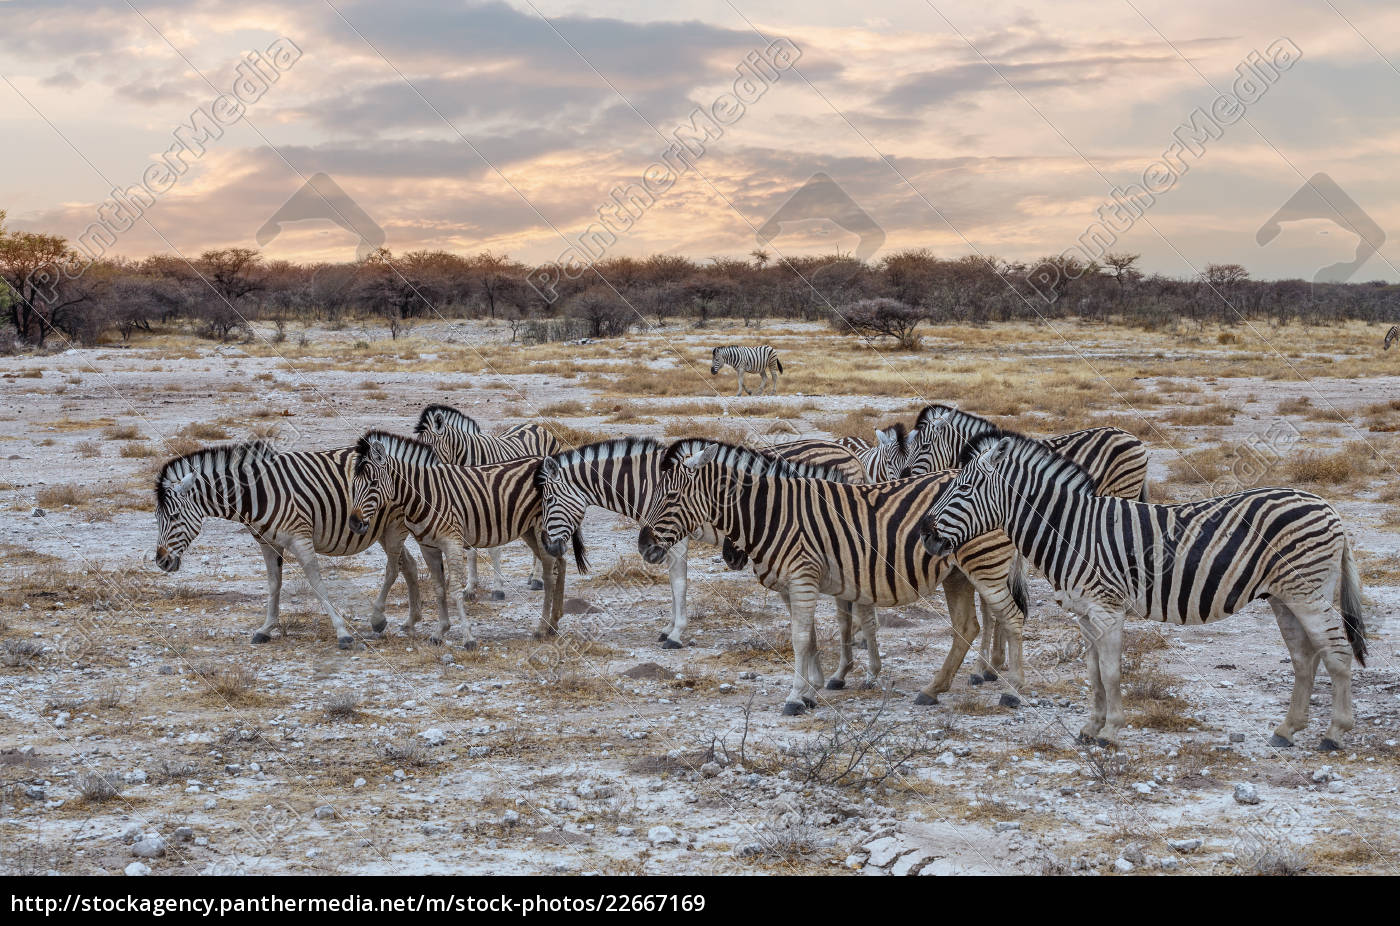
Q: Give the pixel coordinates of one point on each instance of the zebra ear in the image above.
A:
(999, 451)
(697, 460)
(184, 484)
(549, 469)
(377, 454)
(885, 437)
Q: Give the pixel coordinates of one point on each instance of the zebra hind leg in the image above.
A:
(273, 558)
(802, 601)
(870, 625)
(843, 621)
(962, 610)
(1323, 627)
(305, 552)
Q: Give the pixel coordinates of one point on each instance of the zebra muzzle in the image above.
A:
(647, 546)
(358, 525)
(555, 547)
(937, 545)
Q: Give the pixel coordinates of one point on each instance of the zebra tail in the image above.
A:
(1352, 620)
(1020, 592)
(1143, 495)
(779, 363)
(580, 554)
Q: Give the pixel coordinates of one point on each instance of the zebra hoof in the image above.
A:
(535, 585)
(1009, 700)
(663, 638)
(1278, 742)
(989, 676)
(975, 680)
(345, 642)
(923, 700)
(793, 708)
(1328, 745)
(810, 702)
(499, 595)
(469, 644)
(668, 643)
(379, 627)
(1103, 743)
(835, 684)
(260, 637)
(435, 640)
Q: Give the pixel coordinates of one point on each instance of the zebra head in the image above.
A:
(447, 431)
(971, 505)
(891, 442)
(563, 504)
(716, 361)
(179, 516)
(369, 485)
(932, 446)
(680, 507)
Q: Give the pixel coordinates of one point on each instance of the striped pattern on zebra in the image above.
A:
(886, 458)
(815, 536)
(297, 502)
(1188, 564)
(450, 509)
(624, 475)
(762, 360)
(459, 440)
(1391, 336)
(1116, 459)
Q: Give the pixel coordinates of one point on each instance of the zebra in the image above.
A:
(762, 360)
(624, 475)
(450, 509)
(883, 460)
(1115, 458)
(459, 440)
(294, 501)
(815, 536)
(1189, 563)
(1391, 336)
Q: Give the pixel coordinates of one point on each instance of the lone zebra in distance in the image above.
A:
(1392, 335)
(762, 360)
(296, 502)
(1188, 564)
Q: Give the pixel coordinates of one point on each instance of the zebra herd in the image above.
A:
(955, 501)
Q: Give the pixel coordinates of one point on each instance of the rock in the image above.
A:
(593, 791)
(711, 769)
(1335, 787)
(433, 829)
(1122, 866)
(510, 817)
(1186, 845)
(625, 831)
(1323, 775)
(135, 778)
(137, 870)
(184, 833)
(1237, 737)
(1246, 793)
(1143, 787)
(35, 793)
(961, 750)
(662, 835)
(748, 850)
(649, 670)
(947, 759)
(38, 513)
(359, 783)
(433, 736)
(478, 752)
(1025, 781)
(149, 846)
(1007, 826)
(856, 860)
(580, 606)
(324, 812)
(882, 851)
(130, 834)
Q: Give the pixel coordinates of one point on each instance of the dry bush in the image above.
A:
(200, 430)
(231, 682)
(728, 433)
(58, 496)
(96, 788)
(412, 753)
(569, 408)
(1353, 463)
(138, 451)
(629, 570)
(343, 705)
(859, 423)
(861, 752)
(1215, 413)
(122, 432)
(88, 449)
(570, 436)
(20, 653)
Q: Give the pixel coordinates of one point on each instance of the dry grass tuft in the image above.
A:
(58, 496)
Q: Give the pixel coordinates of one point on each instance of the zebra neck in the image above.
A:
(736, 500)
(1051, 526)
(628, 487)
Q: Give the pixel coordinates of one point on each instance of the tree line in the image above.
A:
(49, 292)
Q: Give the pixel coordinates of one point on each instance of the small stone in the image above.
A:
(136, 777)
(1335, 787)
(883, 851)
(625, 831)
(324, 812)
(433, 736)
(947, 759)
(35, 793)
(1007, 826)
(1186, 845)
(359, 783)
(1237, 737)
(662, 835)
(137, 870)
(1122, 866)
(150, 846)
(510, 817)
(1142, 787)
(1323, 775)
(184, 833)
(711, 769)
(38, 513)
(1246, 793)
(478, 752)
(748, 850)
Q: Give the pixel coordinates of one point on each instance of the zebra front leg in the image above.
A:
(802, 603)
(454, 561)
(871, 628)
(962, 610)
(305, 552)
(742, 387)
(843, 621)
(394, 557)
(272, 556)
(677, 565)
(553, 585)
(473, 577)
(986, 653)
(410, 577)
(433, 557)
(536, 581)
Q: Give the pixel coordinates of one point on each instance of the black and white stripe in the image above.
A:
(762, 360)
(886, 458)
(297, 502)
(814, 536)
(1391, 336)
(1115, 459)
(1186, 564)
(450, 509)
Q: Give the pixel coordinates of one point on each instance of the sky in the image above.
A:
(1008, 131)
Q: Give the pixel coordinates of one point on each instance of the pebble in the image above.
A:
(510, 817)
(184, 833)
(662, 835)
(625, 831)
(359, 783)
(433, 736)
(1123, 866)
(137, 870)
(136, 777)
(478, 752)
(324, 812)
(1186, 845)
(711, 769)
(1006, 826)
(1246, 793)
(150, 846)
(748, 850)
(1237, 737)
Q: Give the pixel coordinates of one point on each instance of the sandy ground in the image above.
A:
(604, 752)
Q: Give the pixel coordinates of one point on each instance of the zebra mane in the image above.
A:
(399, 447)
(747, 460)
(900, 432)
(219, 458)
(458, 419)
(1034, 452)
(608, 450)
(955, 416)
